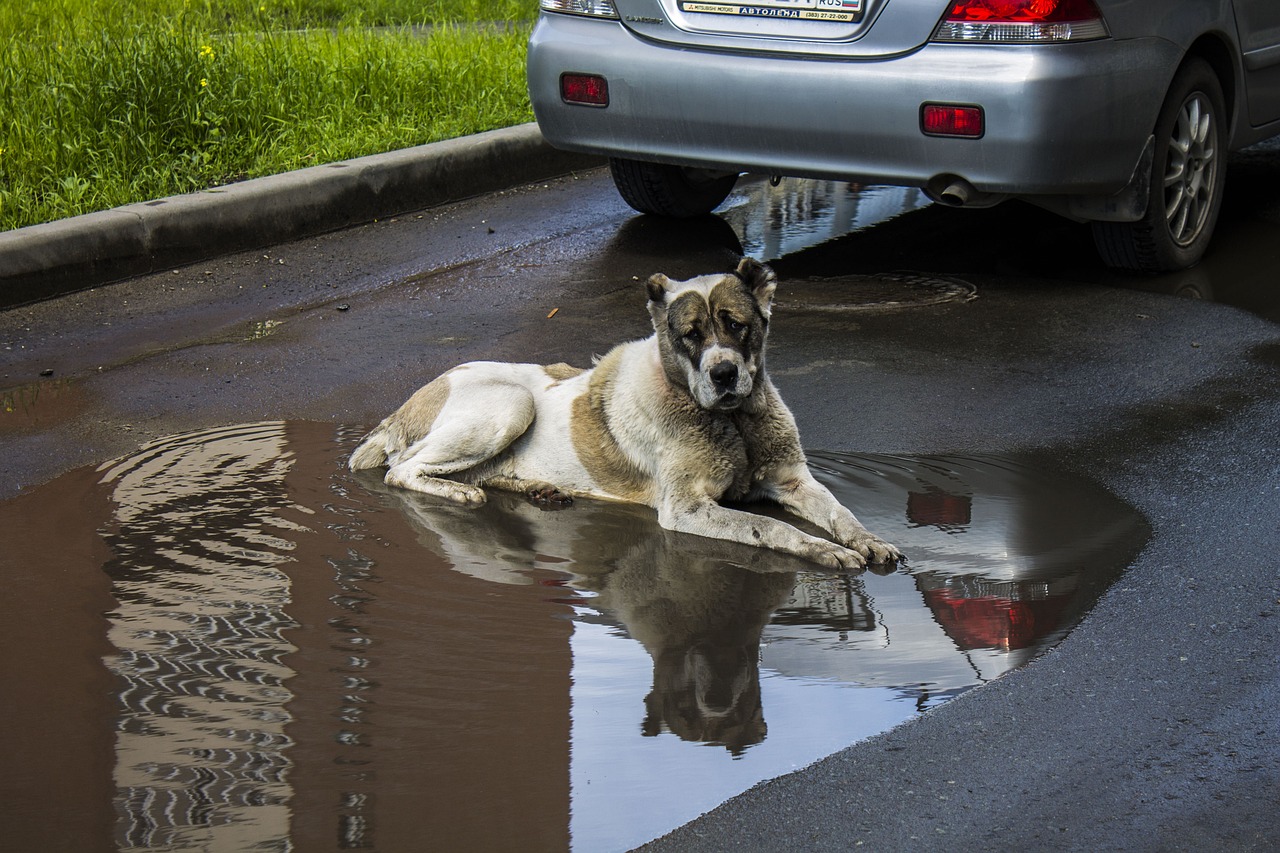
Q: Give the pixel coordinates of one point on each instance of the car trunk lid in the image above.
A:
(852, 28)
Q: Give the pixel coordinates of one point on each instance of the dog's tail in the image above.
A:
(372, 451)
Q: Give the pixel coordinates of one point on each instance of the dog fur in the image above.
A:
(680, 421)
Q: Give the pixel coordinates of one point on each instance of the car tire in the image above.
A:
(674, 191)
(1187, 176)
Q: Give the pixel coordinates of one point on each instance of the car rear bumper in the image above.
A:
(1062, 119)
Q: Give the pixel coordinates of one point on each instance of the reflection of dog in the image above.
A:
(698, 606)
(678, 421)
(700, 619)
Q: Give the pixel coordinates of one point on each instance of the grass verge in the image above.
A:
(103, 102)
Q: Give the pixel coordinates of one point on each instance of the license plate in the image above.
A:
(807, 10)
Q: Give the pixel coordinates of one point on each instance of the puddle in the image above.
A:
(774, 221)
(37, 405)
(770, 223)
(294, 657)
(1239, 270)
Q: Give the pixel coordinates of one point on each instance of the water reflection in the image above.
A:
(1239, 269)
(198, 543)
(768, 222)
(762, 220)
(776, 220)
(36, 405)
(304, 659)
(697, 606)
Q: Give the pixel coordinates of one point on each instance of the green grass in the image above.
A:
(106, 102)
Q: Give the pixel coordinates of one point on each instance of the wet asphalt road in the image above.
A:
(1154, 726)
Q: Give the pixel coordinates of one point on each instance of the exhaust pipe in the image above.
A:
(957, 194)
(954, 191)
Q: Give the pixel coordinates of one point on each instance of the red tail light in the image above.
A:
(591, 90)
(1022, 21)
(949, 120)
(1024, 11)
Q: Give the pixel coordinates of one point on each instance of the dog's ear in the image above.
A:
(761, 281)
(658, 286)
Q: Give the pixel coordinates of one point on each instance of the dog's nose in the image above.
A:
(724, 374)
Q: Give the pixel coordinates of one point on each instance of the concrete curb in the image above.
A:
(43, 261)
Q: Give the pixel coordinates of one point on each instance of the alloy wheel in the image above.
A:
(1190, 169)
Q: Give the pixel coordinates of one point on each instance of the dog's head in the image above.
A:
(711, 332)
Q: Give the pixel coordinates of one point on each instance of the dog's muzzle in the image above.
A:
(726, 385)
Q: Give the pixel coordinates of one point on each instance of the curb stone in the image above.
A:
(60, 257)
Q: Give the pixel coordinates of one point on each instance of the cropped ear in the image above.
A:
(761, 281)
(658, 286)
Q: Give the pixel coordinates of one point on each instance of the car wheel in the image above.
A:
(675, 191)
(1187, 176)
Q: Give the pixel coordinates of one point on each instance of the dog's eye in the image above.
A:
(693, 336)
(733, 324)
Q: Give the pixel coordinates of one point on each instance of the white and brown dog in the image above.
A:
(678, 421)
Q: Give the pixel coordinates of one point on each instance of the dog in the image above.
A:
(679, 421)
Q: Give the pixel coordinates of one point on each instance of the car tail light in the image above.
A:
(951, 120)
(590, 90)
(1021, 21)
(590, 8)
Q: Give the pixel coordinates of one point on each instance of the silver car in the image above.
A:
(1114, 112)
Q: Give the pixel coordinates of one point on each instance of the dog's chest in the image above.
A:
(737, 456)
(766, 442)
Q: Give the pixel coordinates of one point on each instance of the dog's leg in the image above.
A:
(704, 517)
(537, 491)
(472, 428)
(419, 480)
(798, 492)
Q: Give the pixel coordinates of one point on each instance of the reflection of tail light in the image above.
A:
(994, 622)
(939, 509)
(573, 600)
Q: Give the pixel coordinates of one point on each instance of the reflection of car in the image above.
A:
(1117, 112)
(1005, 558)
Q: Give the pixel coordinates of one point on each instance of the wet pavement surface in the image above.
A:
(225, 636)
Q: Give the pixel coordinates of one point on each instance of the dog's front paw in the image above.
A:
(548, 497)
(832, 555)
(873, 548)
